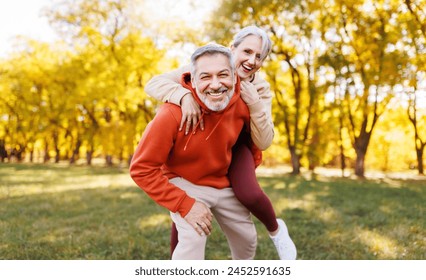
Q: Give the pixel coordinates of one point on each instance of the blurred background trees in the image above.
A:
(348, 79)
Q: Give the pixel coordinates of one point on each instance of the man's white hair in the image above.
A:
(211, 49)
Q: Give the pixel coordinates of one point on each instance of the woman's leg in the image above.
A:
(243, 180)
(247, 190)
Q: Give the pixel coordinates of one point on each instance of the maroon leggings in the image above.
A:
(246, 188)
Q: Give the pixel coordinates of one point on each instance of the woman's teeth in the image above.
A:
(247, 68)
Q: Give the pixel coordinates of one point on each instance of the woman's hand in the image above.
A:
(248, 92)
(191, 113)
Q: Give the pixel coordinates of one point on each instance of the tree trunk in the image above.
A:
(121, 158)
(55, 137)
(295, 161)
(32, 156)
(361, 146)
(341, 148)
(3, 152)
(419, 152)
(108, 160)
(412, 115)
(46, 157)
(89, 155)
(19, 153)
(342, 160)
(75, 152)
(57, 155)
(359, 163)
(314, 150)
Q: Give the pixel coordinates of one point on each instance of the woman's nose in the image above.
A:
(252, 59)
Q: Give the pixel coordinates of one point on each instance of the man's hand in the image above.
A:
(191, 113)
(248, 92)
(200, 218)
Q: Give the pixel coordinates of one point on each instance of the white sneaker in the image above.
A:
(282, 241)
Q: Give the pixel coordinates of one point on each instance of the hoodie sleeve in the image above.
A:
(150, 155)
(261, 125)
(166, 87)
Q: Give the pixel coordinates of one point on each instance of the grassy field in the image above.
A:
(58, 212)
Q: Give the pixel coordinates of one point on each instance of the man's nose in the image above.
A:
(215, 84)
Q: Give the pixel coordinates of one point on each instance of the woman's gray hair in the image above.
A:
(211, 49)
(254, 30)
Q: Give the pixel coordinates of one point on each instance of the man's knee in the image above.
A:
(247, 243)
(190, 246)
(251, 237)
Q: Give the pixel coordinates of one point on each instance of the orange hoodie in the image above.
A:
(202, 158)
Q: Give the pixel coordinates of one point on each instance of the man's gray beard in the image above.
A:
(215, 106)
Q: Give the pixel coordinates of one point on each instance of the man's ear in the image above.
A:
(193, 82)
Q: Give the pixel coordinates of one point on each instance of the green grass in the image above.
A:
(61, 212)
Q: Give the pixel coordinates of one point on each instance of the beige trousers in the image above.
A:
(233, 218)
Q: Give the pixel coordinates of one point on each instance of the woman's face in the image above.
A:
(248, 56)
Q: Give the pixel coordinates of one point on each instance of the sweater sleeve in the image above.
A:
(261, 125)
(150, 155)
(166, 87)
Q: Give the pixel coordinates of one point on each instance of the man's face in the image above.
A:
(247, 56)
(214, 81)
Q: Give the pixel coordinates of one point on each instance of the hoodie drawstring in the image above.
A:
(208, 136)
(214, 128)
(192, 133)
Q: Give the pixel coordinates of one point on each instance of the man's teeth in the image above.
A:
(217, 93)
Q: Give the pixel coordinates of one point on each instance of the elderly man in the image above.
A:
(187, 174)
